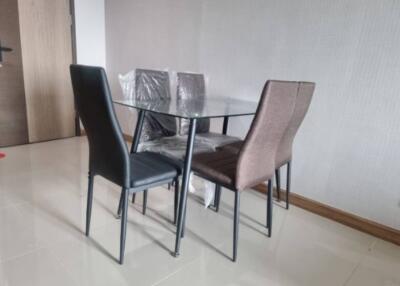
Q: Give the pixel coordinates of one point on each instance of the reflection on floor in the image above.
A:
(42, 217)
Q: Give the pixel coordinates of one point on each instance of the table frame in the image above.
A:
(186, 169)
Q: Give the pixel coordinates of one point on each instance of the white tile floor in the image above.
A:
(42, 217)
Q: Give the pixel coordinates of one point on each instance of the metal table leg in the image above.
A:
(138, 131)
(185, 184)
(225, 125)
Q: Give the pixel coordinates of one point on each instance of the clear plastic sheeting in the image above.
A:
(215, 140)
(154, 85)
(204, 188)
(174, 146)
(127, 83)
(159, 130)
(150, 85)
(191, 86)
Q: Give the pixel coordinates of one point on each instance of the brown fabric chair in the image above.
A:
(284, 153)
(255, 162)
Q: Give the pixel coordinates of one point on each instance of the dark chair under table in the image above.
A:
(284, 153)
(108, 153)
(255, 163)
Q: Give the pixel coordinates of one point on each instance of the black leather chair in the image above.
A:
(108, 153)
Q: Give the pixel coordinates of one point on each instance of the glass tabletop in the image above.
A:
(195, 108)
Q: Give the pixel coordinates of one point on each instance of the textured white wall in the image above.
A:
(346, 154)
(150, 34)
(90, 32)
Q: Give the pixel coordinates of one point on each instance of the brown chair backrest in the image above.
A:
(257, 156)
(303, 100)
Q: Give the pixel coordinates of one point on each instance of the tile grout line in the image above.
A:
(370, 248)
(176, 271)
(184, 266)
(62, 265)
(351, 274)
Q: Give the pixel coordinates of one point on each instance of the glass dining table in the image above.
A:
(193, 110)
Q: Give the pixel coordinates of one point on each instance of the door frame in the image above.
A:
(74, 58)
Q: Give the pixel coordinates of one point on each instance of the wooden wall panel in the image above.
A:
(45, 27)
(13, 125)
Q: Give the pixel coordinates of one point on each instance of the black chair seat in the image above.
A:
(149, 168)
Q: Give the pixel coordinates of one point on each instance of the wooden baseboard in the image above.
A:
(351, 220)
(128, 138)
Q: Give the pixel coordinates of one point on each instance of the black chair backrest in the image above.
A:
(108, 153)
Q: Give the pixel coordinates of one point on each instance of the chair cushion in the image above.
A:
(216, 139)
(219, 167)
(174, 146)
(149, 168)
(232, 147)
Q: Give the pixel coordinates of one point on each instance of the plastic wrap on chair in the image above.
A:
(191, 86)
(216, 140)
(127, 82)
(154, 85)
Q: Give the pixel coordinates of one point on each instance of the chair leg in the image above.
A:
(144, 202)
(269, 208)
(176, 200)
(217, 198)
(169, 186)
(236, 225)
(288, 182)
(125, 197)
(89, 203)
(183, 223)
(278, 183)
(133, 198)
(121, 199)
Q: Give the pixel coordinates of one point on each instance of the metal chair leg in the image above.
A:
(184, 222)
(278, 183)
(217, 198)
(176, 200)
(269, 208)
(123, 225)
(236, 226)
(144, 202)
(215, 195)
(121, 199)
(288, 182)
(133, 198)
(89, 202)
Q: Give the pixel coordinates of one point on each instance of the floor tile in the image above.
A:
(381, 266)
(15, 235)
(43, 190)
(39, 268)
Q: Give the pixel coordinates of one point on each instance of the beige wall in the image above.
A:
(90, 32)
(347, 151)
